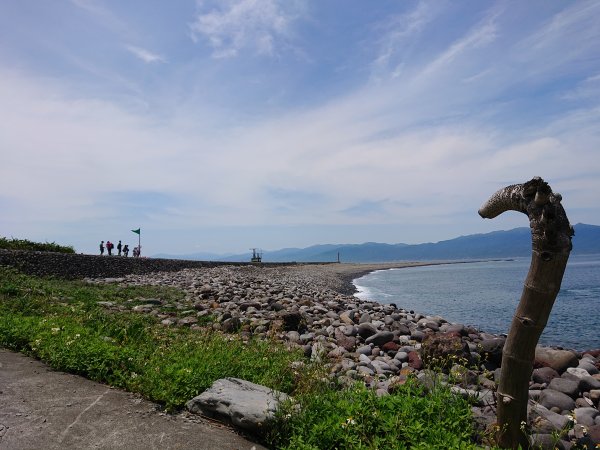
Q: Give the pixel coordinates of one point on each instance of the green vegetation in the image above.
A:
(62, 323)
(356, 418)
(24, 244)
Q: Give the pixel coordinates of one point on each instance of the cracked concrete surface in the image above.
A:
(41, 408)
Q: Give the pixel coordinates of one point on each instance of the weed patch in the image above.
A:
(357, 418)
(25, 244)
(61, 323)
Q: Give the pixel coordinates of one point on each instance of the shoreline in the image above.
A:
(361, 341)
(348, 272)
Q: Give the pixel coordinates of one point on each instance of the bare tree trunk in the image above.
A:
(551, 244)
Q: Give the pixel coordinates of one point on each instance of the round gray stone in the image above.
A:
(401, 356)
(559, 360)
(544, 375)
(380, 338)
(365, 318)
(551, 398)
(588, 366)
(586, 416)
(364, 350)
(578, 372)
(366, 330)
(363, 370)
(417, 335)
(569, 387)
(546, 441)
(589, 383)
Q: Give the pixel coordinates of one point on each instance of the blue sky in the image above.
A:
(223, 125)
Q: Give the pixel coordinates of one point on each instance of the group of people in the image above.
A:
(121, 249)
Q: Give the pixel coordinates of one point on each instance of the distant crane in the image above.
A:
(256, 255)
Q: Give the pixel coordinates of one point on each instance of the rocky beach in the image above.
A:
(312, 307)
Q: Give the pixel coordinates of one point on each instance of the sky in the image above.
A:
(219, 126)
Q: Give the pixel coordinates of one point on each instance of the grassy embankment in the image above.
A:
(24, 244)
(62, 323)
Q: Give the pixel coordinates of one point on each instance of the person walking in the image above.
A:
(109, 247)
(119, 248)
(101, 248)
(126, 250)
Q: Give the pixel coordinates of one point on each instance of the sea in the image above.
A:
(485, 295)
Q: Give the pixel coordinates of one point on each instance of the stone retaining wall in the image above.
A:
(67, 265)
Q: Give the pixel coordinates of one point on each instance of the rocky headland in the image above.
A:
(312, 307)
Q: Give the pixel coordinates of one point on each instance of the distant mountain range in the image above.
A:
(498, 244)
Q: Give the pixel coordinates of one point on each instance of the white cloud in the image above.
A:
(91, 6)
(398, 36)
(570, 36)
(588, 89)
(145, 55)
(104, 16)
(238, 25)
(480, 36)
(578, 18)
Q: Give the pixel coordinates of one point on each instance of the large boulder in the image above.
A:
(491, 349)
(414, 361)
(589, 366)
(293, 321)
(345, 318)
(555, 399)
(589, 384)
(347, 342)
(242, 403)
(443, 350)
(380, 338)
(544, 375)
(586, 416)
(569, 387)
(555, 420)
(559, 360)
(366, 329)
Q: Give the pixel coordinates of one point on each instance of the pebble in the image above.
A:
(365, 341)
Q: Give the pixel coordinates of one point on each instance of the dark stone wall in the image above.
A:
(64, 265)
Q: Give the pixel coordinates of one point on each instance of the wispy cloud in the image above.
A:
(571, 35)
(577, 18)
(478, 37)
(145, 55)
(91, 6)
(233, 26)
(398, 35)
(103, 15)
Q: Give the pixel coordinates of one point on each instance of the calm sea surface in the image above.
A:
(485, 295)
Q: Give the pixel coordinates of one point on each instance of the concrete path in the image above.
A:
(44, 409)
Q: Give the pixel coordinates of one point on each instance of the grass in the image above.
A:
(24, 244)
(61, 322)
(356, 418)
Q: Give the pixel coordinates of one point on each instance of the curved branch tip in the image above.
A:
(550, 227)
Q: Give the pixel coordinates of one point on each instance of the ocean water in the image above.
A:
(485, 295)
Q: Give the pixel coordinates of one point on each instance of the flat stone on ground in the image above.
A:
(244, 404)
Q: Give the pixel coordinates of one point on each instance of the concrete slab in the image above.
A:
(44, 409)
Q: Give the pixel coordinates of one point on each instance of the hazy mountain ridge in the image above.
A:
(497, 244)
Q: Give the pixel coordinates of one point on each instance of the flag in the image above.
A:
(137, 231)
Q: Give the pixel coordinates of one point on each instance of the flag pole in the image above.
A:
(139, 247)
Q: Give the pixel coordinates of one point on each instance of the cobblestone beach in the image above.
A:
(312, 306)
